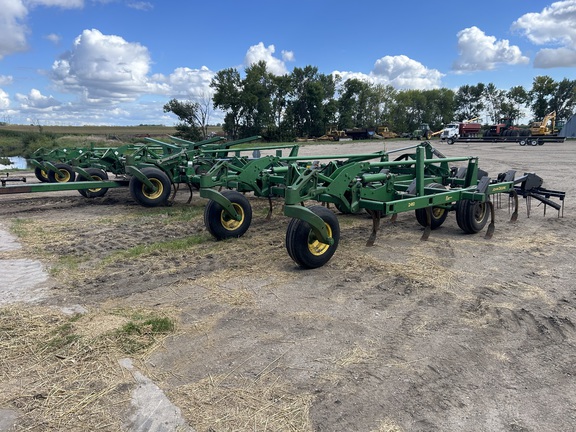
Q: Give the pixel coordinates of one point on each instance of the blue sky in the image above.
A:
(117, 62)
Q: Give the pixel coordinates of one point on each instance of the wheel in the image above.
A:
(523, 142)
(41, 175)
(147, 197)
(65, 174)
(450, 141)
(471, 216)
(303, 246)
(201, 169)
(96, 174)
(221, 225)
(439, 214)
(533, 142)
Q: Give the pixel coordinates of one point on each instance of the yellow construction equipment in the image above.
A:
(541, 128)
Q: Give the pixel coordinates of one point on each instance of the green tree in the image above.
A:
(414, 105)
(439, 107)
(493, 98)
(227, 86)
(279, 129)
(256, 106)
(541, 94)
(310, 96)
(352, 103)
(381, 103)
(514, 99)
(468, 102)
(563, 100)
(189, 114)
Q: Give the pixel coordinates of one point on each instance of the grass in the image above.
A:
(61, 372)
(142, 331)
(155, 248)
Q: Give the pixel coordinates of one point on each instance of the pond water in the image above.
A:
(17, 162)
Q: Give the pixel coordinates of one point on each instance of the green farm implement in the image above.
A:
(228, 213)
(153, 171)
(57, 165)
(422, 180)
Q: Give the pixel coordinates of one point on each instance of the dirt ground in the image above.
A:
(457, 333)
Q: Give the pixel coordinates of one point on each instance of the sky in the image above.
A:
(117, 62)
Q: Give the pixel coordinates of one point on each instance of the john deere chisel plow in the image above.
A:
(424, 181)
(153, 171)
(229, 214)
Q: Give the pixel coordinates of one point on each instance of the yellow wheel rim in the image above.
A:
(62, 176)
(229, 223)
(159, 189)
(96, 189)
(437, 212)
(315, 246)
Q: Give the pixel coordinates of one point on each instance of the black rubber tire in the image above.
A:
(534, 142)
(472, 216)
(523, 142)
(223, 227)
(96, 174)
(302, 245)
(144, 196)
(65, 174)
(450, 141)
(41, 175)
(439, 214)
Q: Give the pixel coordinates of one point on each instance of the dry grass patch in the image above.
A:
(61, 372)
(239, 403)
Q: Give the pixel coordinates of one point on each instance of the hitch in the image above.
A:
(530, 186)
(7, 179)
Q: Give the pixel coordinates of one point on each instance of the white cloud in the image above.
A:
(6, 79)
(400, 72)
(104, 68)
(53, 37)
(288, 56)
(477, 51)
(36, 100)
(185, 82)
(4, 99)
(65, 4)
(13, 29)
(259, 52)
(553, 26)
(552, 58)
(141, 5)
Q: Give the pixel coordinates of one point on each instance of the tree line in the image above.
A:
(307, 103)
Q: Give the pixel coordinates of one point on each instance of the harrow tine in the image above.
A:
(426, 233)
(269, 215)
(514, 196)
(490, 230)
(428, 227)
(191, 193)
(175, 187)
(375, 226)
